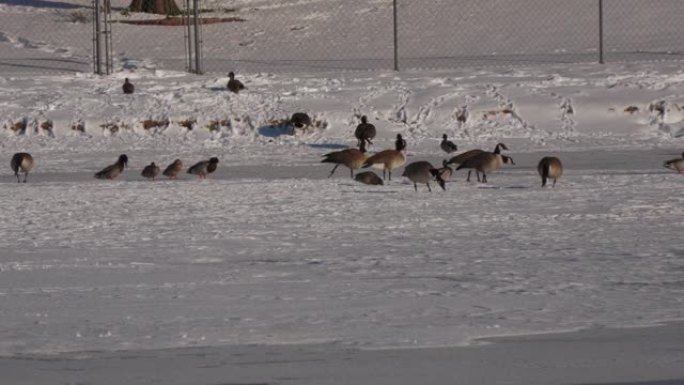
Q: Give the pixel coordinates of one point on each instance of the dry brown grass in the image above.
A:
(18, 127)
(78, 127)
(46, 125)
(217, 125)
(492, 114)
(114, 128)
(149, 123)
(187, 123)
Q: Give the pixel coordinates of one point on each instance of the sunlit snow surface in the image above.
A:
(270, 251)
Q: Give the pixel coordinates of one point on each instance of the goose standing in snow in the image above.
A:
(364, 131)
(151, 171)
(368, 177)
(128, 87)
(388, 160)
(351, 158)
(204, 167)
(464, 156)
(676, 164)
(234, 85)
(21, 161)
(550, 167)
(422, 172)
(173, 169)
(114, 170)
(486, 162)
(447, 145)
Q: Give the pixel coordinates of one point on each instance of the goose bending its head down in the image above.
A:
(423, 172)
(204, 167)
(368, 177)
(444, 173)
(550, 167)
(21, 161)
(388, 160)
(676, 164)
(351, 158)
(114, 170)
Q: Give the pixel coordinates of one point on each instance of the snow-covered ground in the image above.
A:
(270, 251)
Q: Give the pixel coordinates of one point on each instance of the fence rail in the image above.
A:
(320, 35)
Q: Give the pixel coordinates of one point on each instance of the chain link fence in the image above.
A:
(47, 36)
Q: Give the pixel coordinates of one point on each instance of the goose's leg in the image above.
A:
(333, 170)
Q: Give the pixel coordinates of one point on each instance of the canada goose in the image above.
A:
(21, 161)
(388, 160)
(676, 164)
(462, 157)
(234, 85)
(447, 145)
(204, 167)
(173, 169)
(486, 162)
(151, 171)
(422, 172)
(112, 171)
(300, 120)
(368, 177)
(400, 143)
(364, 131)
(444, 173)
(128, 87)
(351, 158)
(550, 167)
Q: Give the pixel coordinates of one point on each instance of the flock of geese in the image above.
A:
(419, 172)
(22, 162)
(423, 172)
(483, 162)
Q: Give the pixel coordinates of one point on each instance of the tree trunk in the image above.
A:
(161, 7)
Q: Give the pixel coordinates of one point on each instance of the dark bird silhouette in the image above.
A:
(447, 145)
(300, 120)
(151, 171)
(234, 85)
(114, 170)
(128, 87)
(364, 131)
(204, 167)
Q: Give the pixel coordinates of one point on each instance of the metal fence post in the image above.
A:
(96, 38)
(396, 37)
(600, 4)
(188, 37)
(109, 60)
(198, 60)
